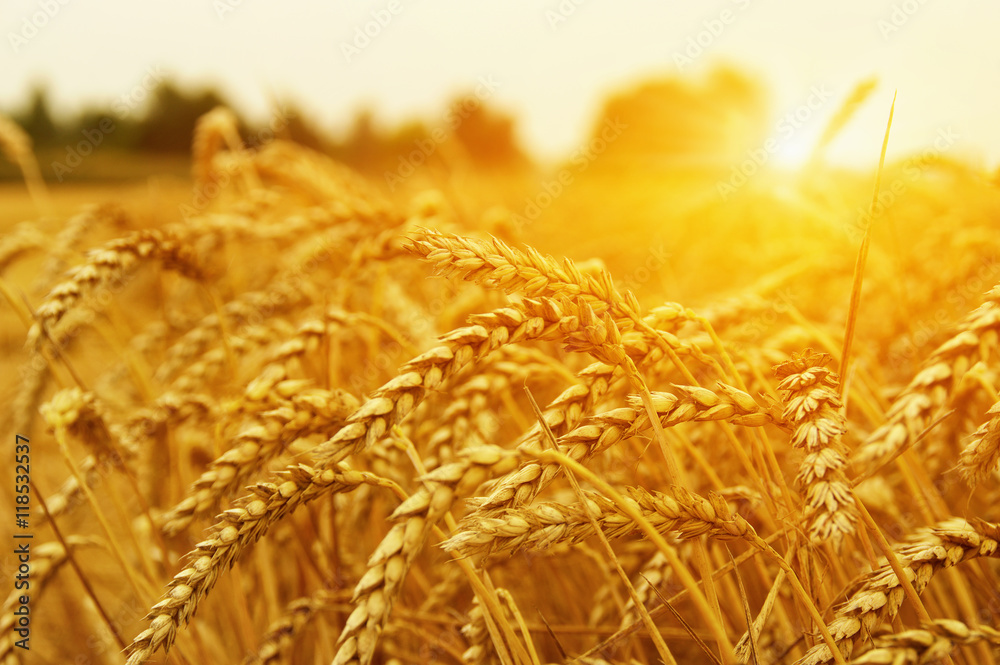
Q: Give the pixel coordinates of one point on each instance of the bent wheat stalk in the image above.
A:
(928, 644)
(238, 528)
(541, 526)
(938, 377)
(881, 593)
(392, 402)
(981, 456)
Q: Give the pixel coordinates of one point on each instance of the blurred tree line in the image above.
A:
(165, 127)
(674, 122)
(164, 123)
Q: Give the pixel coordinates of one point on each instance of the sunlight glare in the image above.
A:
(793, 152)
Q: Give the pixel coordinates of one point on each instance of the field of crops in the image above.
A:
(281, 415)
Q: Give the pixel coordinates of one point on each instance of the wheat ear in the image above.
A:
(377, 591)
(881, 594)
(243, 526)
(938, 377)
(538, 527)
(111, 265)
(929, 644)
(15, 145)
(812, 403)
(980, 457)
(237, 530)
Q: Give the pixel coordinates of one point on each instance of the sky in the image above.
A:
(551, 63)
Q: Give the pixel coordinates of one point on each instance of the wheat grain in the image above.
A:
(813, 405)
(929, 644)
(939, 374)
(541, 526)
(881, 593)
(980, 457)
(239, 528)
(377, 591)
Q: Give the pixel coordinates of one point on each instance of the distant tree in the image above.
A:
(299, 128)
(715, 119)
(484, 137)
(487, 136)
(410, 137)
(124, 135)
(36, 120)
(169, 124)
(362, 147)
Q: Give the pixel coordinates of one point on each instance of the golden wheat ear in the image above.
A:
(15, 145)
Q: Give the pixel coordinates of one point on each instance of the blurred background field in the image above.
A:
(671, 187)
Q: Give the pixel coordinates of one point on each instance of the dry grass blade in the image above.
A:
(859, 267)
(747, 614)
(661, 647)
(881, 593)
(687, 627)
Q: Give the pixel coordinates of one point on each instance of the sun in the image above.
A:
(793, 152)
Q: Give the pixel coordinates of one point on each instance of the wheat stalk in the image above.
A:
(541, 526)
(238, 529)
(111, 264)
(881, 593)
(928, 644)
(939, 375)
(980, 457)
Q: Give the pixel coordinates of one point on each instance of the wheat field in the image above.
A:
(302, 421)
